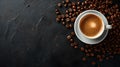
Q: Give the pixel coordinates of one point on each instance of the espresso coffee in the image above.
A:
(91, 25)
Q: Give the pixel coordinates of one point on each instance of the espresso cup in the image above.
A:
(91, 24)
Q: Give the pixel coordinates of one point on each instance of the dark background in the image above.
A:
(30, 37)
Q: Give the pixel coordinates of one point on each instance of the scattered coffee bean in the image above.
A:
(93, 62)
(59, 5)
(82, 48)
(70, 25)
(67, 1)
(83, 59)
(71, 40)
(73, 33)
(69, 37)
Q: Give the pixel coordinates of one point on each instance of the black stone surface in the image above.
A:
(30, 37)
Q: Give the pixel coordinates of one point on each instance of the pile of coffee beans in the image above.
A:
(67, 11)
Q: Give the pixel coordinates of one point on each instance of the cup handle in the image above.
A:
(108, 27)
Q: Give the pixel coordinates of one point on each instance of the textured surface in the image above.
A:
(30, 37)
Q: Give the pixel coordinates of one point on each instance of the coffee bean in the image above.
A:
(66, 11)
(72, 33)
(76, 13)
(93, 62)
(69, 4)
(70, 25)
(67, 26)
(59, 16)
(70, 17)
(74, 7)
(72, 44)
(67, 19)
(75, 46)
(63, 2)
(83, 59)
(62, 19)
(75, 43)
(107, 58)
(67, 1)
(73, 4)
(71, 40)
(100, 59)
(70, 10)
(66, 15)
(78, 7)
(92, 54)
(69, 37)
(70, 14)
(87, 54)
(57, 13)
(82, 48)
(63, 16)
(59, 4)
(65, 5)
(63, 23)
(57, 19)
(78, 3)
(56, 10)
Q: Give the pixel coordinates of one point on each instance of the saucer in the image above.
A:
(93, 41)
(87, 40)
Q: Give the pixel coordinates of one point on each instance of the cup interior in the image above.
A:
(99, 33)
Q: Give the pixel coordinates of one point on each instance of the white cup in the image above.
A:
(96, 13)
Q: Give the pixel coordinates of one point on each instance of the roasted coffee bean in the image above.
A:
(72, 33)
(59, 16)
(75, 46)
(83, 59)
(67, 11)
(69, 4)
(57, 13)
(82, 48)
(73, 4)
(57, 19)
(72, 44)
(67, 26)
(70, 25)
(62, 19)
(59, 4)
(69, 37)
(63, 2)
(74, 7)
(75, 43)
(67, 20)
(63, 16)
(70, 17)
(56, 10)
(74, 10)
(66, 15)
(70, 10)
(77, 13)
(87, 54)
(73, 19)
(71, 40)
(78, 7)
(92, 54)
(65, 5)
(63, 23)
(78, 3)
(93, 62)
(70, 14)
(67, 1)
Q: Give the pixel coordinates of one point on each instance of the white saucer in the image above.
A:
(84, 39)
